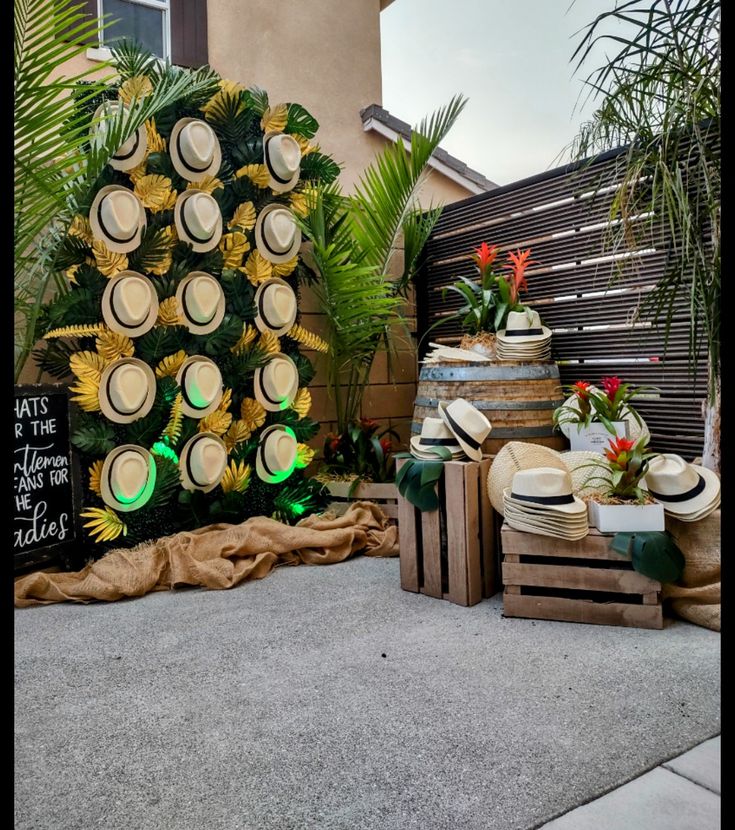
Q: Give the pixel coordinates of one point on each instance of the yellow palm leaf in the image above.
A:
(217, 422)
(298, 203)
(257, 173)
(257, 268)
(274, 119)
(249, 333)
(87, 364)
(95, 477)
(86, 393)
(304, 455)
(302, 402)
(269, 343)
(137, 173)
(234, 246)
(252, 414)
(76, 331)
(112, 345)
(308, 339)
(71, 273)
(236, 434)
(104, 524)
(221, 103)
(170, 365)
(226, 401)
(168, 313)
(172, 430)
(244, 217)
(136, 87)
(156, 143)
(108, 262)
(283, 269)
(154, 191)
(81, 228)
(236, 478)
(208, 184)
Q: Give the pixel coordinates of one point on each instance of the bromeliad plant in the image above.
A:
(362, 451)
(606, 406)
(626, 463)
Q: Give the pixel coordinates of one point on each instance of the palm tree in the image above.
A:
(55, 164)
(660, 95)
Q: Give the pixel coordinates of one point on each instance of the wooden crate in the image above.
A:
(449, 553)
(384, 495)
(584, 581)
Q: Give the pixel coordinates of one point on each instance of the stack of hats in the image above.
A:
(688, 492)
(449, 354)
(461, 428)
(541, 500)
(524, 337)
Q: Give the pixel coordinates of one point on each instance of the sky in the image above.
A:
(511, 58)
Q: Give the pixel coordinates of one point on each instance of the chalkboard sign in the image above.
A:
(46, 487)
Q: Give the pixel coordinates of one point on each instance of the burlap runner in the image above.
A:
(697, 597)
(216, 556)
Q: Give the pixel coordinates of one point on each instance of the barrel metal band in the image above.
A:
(504, 405)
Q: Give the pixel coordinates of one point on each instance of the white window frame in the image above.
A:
(103, 53)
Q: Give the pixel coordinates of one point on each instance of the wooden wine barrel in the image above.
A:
(517, 398)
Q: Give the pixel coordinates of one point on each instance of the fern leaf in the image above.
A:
(269, 343)
(86, 393)
(172, 430)
(156, 143)
(95, 477)
(76, 331)
(308, 339)
(87, 364)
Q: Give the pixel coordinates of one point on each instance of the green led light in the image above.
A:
(162, 449)
(297, 508)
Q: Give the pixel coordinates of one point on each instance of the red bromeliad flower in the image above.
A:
(618, 446)
(386, 444)
(333, 441)
(484, 256)
(368, 424)
(581, 389)
(519, 261)
(611, 386)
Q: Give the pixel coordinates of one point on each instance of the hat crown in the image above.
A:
(202, 297)
(105, 111)
(128, 475)
(279, 229)
(202, 213)
(128, 386)
(669, 475)
(470, 419)
(435, 428)
(132, 300)
(207, 459)
(203, 382)
(543, 482)
(120, 211)
(521, 320)
(284, 155)
(278, 377)
(279, 450)
(278, 303)
(197, 141)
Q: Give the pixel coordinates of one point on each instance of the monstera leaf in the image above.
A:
(653, 553)
(417, 478)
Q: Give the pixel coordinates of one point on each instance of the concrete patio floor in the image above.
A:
(326, 697)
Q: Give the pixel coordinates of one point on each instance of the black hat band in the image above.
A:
(568, 499)
(119, 240)
(184, 162)
(112, 405)
(457, 429)
(189, 470)
(690, 494)
(187, 229)
(522, 332)
(126, 156)
(438, 442)
(186, 312)
(273, 173)
(115, 314)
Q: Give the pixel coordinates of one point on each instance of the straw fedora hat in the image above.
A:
(634, 429)
(434, 433)
(194, 149)
(129, 304)
(276, 236)
(276, 456)
(117, 218)
(203, 462)
(128, 478)
(523, 327)
(127, 390)
(282, 157)
(585, 477)
(200, 302)
(548, 490)
(198, 220)
(200, 381)
(276, 307)
(685, 490)
(514, 456)
(468, 425)
(132, 151)
(276, 383)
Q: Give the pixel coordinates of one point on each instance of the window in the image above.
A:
(147, 21)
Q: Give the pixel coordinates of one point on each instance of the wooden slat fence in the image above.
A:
(585, 292)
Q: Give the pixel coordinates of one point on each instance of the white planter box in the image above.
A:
(594, 437)
(626, 518)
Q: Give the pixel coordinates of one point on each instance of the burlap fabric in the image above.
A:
(697, 597)
(216, 556)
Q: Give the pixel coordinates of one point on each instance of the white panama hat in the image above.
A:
(194, 149)
(276, 384)
(468, 425)
(276, 456)
(128, 478)
(276, 306)
(130, 304)
(117, 218)
(198, 220)
(200, 302)
(127, 390)
(434, 433)
(277, 237)
(282, 157)
(200, 381)
(523, 327)
(685, 490)
(132, 151)
(546, 489)
(203, 462)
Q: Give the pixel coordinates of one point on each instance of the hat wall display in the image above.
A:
(515, 456)
(282, 157)
(200, 302)
(201, 386)
(276, 455)
(117, 218)
(203, 462)
(276, 307)
(468, 425)
(542, 500)
(198, 220)
(130, 304)
(132, 151)
(276, 383)
(434, 433)
(195, 150)
(128, 478)
(277, 237)
(687, 491)
(127, 390)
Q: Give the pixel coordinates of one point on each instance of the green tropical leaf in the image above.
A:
(317, 167)
(301, 121)
(95, 436)
(656, 555)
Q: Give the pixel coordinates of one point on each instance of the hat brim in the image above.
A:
(426, 453)
(475, 453)
(185, 473)
(109, 498)
(136, 156)
(274, 183)
(187, 320)
(182, 233)
(186, 406)
(262, 396)
(702, 501)
(260, 243)
(698, 515)
(576, 508)
(178, 162)
(546, 531)
(261, 322)
(515, 456)
(545, 335)
(99, 233)
(452, 354)
(108, 410)
(113, 320)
